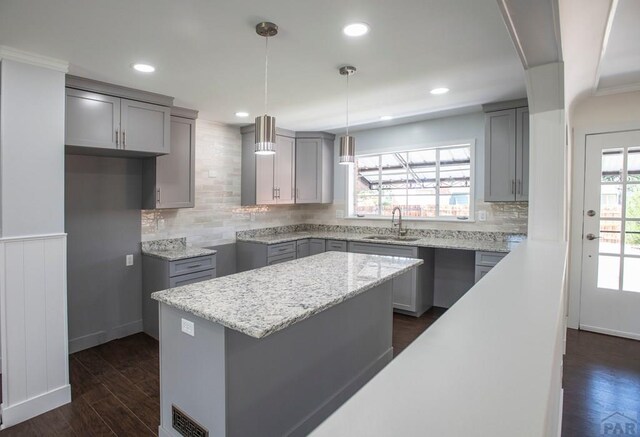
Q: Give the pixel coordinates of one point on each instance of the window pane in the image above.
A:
(632, 238)
(611, 201)
(610, 236)
(633, 164)
(633, 201)
(612, 163)
(631, 279)
(454, 202)
(421, 206)
(367, 185)
(422, 169)
(389, 202)
(609, 272)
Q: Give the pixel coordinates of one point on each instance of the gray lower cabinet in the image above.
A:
(159, 274)
(316, 246)
(336, 246)
(251, 256)
(412, 291)
(507, 155)
(168, 181)
(485, 261)
(101, 117)
(302, 248)
(314, 167)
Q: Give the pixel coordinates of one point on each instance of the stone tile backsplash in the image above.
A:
(218, 214)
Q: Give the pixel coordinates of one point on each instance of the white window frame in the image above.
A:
(350, 186)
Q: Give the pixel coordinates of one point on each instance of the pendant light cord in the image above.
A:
(266, 72)
(348, 104)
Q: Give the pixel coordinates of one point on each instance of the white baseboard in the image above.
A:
(35, 406)
(97, 338)
(613, 332)
(164, 433)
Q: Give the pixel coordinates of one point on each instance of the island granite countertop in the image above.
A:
(263, 301)
(436, 242)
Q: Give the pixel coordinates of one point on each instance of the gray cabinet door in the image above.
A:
(145, 127)
(265, 188)
(522, 154)
(285, 169)
(302, 248)
(500, 156)
(308, 170)
(175, 177)
(92, 120)
(316, 245)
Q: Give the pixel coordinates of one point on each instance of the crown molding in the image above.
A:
(33, 59)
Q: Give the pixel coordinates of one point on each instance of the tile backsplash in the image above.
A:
(218, 214)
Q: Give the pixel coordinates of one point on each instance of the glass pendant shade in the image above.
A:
(347, 149)
(265, 135)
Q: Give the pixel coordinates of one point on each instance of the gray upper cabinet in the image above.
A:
(92, 120)
(314, 168)
(168, 181)
(145, 127)
(301, 170)
(107, 119)
(507, 155)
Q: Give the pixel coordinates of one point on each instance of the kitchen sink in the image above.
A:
(390, 238)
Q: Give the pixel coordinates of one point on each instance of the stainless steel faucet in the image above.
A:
(401, 232)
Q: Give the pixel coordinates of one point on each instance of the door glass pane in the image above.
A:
(631, 279)
(611, 201)
(609, 236)
(633, 164)
(609, 272)
(632, 238)
(633, 201)
(612, 164)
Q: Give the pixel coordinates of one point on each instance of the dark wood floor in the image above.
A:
(115, 386)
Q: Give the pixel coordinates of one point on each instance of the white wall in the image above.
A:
(600, 114)
(33, 306)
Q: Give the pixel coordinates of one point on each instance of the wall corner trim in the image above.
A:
(13, 54)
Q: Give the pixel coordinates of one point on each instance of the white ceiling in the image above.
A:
(620, 65)
(209, 58)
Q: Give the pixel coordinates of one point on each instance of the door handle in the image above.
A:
(591, 237)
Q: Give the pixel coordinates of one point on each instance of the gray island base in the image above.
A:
(321, 328)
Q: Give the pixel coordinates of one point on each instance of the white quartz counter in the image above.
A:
(262, 301)
(490, 366)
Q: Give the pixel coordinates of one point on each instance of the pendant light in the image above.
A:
(347, 142)
(266, 124)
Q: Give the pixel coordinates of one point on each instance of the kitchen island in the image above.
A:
(274, 351)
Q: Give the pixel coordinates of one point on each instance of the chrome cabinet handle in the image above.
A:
(519, 186)
(273, 193)
(124, 140)
(513, 186)
(158, 196)
(117, 138)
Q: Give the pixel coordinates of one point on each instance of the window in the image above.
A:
(430, 183)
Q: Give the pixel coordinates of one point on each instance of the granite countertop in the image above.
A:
(445, 243)
(173, 249)
(263, 301)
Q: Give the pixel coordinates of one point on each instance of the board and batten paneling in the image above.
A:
(34, 325)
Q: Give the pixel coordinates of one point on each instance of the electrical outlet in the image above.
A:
(482, 216)
(188, 327)
(129, 260)
(339, 213)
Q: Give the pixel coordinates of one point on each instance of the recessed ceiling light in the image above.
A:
(144, 68)
(386, 117)
(438, 91)
(356, 29)
(242, 114)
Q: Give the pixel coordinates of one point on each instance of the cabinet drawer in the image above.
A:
(481, 271)
(489, 258)
(277, 259)
(383, 249)
(281, 248)
(192, 265)
(191, 278)
(336, 245)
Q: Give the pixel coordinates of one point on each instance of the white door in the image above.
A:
(610, 296)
